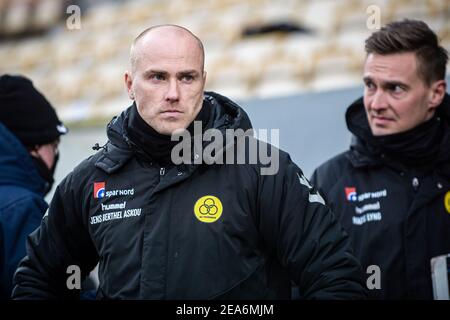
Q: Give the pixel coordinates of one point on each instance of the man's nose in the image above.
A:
(379, 101)
(172, 91)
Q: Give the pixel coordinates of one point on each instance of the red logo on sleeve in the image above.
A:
(99, 190)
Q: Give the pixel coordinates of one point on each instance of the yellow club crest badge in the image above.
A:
(208, 209)
(447, 201)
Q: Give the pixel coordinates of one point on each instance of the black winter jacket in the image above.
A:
(139, 221)
(397, 215)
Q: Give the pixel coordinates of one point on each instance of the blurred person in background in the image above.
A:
(195, 230)
(391, 190)
(29, 136)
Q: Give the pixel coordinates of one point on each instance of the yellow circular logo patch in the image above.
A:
(447, 201)
(208, 209)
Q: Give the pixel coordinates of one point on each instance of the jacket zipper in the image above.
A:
(162, 171)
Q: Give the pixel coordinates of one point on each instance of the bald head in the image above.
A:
(157, 36)
(167, 79)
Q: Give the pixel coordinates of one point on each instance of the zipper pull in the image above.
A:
(415, 183)
(162, 171)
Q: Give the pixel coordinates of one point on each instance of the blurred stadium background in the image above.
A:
(294, 65)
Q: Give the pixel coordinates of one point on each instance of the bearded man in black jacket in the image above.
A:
(161, 228)
(391, 190)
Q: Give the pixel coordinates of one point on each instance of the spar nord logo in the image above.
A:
(350, 193)
(101, 192)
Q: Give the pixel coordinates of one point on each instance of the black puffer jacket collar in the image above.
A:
(225, 114)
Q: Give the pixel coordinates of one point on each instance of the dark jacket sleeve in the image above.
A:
(327, 176)
(61, 241)
(315, 179)
(17, 221)
(307, 239)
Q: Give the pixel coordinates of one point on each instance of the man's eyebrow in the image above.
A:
(154, 71)
(165, 73)
(387, 83)
(392, 83)
(188, 72)
(395, 83)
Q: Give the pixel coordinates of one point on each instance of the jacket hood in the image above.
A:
(358, 125)
(225, 114)
(16, 165)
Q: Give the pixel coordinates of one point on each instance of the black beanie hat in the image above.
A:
(26, 112)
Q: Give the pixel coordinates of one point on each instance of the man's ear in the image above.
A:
(129, 84)
(437, 94)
